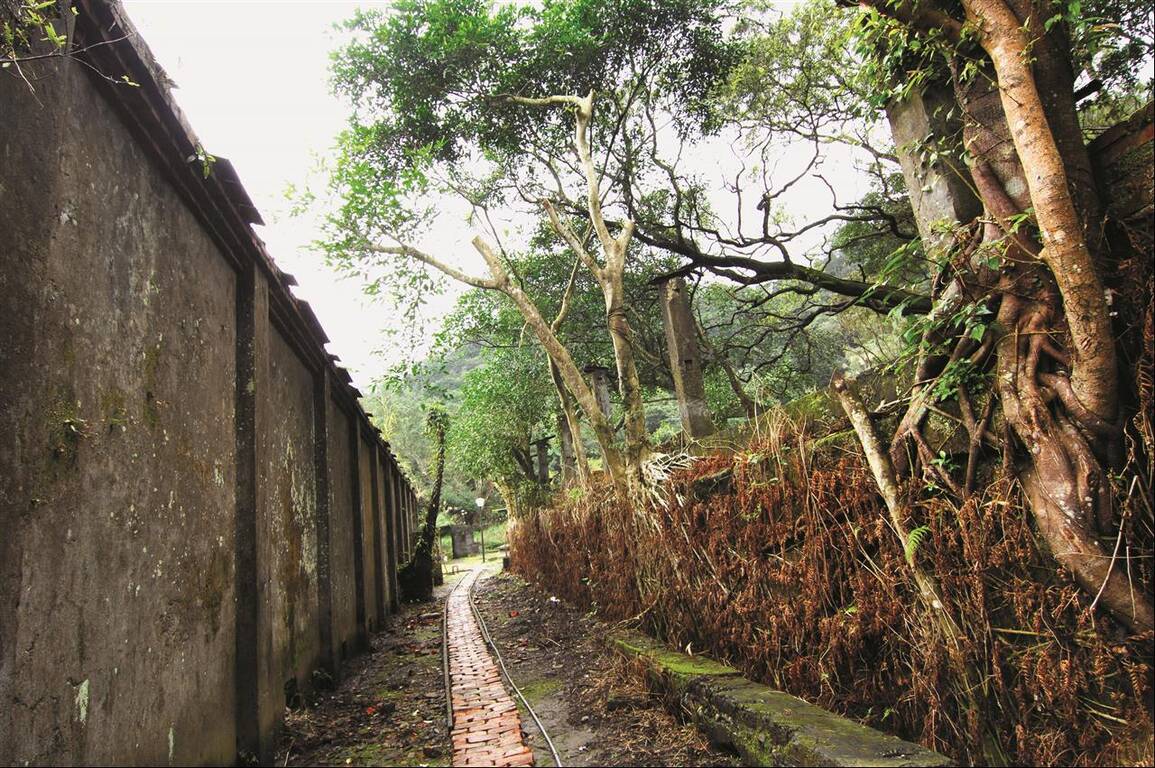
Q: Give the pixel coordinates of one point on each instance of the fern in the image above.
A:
(914, 539)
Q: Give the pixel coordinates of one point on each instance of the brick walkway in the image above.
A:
(486, 723)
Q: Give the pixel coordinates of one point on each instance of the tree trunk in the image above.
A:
(415, 578)
(748, 405)
(610, 278)
(570, 374)
(1054, 350)
(929, 591)
(1033, 129)
(572, 425)
(1062, 473)
(629, 384)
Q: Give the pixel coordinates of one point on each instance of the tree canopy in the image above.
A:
(577, 133)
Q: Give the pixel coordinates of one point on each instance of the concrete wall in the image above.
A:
(181, 528)
(341, 539)
(288, 624)
(369, 528)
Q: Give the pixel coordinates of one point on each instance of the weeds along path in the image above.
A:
(594, 704)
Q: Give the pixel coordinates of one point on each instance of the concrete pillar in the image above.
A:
(405, 551)
(252, 345)
(685, 361)
(412, 522)
(566, 448)
(322, 393)
(397, 517)
(390, 516)
(358, 534)
(378, 539)
(939, 190)
(462, 539)
(600, 383)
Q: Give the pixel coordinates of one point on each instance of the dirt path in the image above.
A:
(390, 707)
(594, 708)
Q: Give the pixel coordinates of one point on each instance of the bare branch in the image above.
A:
(491, 283)
(571, 238)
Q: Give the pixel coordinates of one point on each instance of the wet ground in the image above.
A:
(390, 707)
(595, 708)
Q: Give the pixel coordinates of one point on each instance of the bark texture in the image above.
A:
(415, 578)
(1052, 349)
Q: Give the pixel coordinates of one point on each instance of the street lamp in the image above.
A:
(480, 502)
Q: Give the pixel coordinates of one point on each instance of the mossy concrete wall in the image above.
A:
(341, 539)
(764, 726)
(370, 585)
(288, 623)
(180, 539)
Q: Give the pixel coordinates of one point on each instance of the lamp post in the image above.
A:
(480, 502)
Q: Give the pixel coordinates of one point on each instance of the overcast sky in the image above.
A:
(252, 79)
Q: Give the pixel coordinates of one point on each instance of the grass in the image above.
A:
(462, 564)
(539, 688)
(495, 543)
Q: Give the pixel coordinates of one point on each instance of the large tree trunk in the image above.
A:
(629, 384)
(1054, 350)
(572, 437)
(1064, 421)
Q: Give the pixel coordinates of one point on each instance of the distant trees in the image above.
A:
(504, 408)
(588, 116)
(486, 102)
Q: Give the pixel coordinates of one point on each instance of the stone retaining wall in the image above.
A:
(765, 726)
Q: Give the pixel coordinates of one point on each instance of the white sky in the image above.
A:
(252, 79)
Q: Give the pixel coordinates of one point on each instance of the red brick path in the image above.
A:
(486, 723)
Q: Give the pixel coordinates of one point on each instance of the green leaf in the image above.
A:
(914, 539)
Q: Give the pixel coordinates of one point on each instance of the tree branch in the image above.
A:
(491, 284)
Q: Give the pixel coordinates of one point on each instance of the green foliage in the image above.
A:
(914, 539)
(956, 375)
(427, 81)
(776, 357)
(896, 59)
(720, 396)
(205, 160)
(1107, 40)
(933, 334)
(25, 23)
(489, 319)
(401, 407)
(425, 73)
(502, 406)
(798, 70)
(436, 421)
(887, 250)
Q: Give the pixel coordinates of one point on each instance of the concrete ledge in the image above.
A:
(765, 726)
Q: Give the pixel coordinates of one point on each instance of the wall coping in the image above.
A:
(106, 40)
(764, 725)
